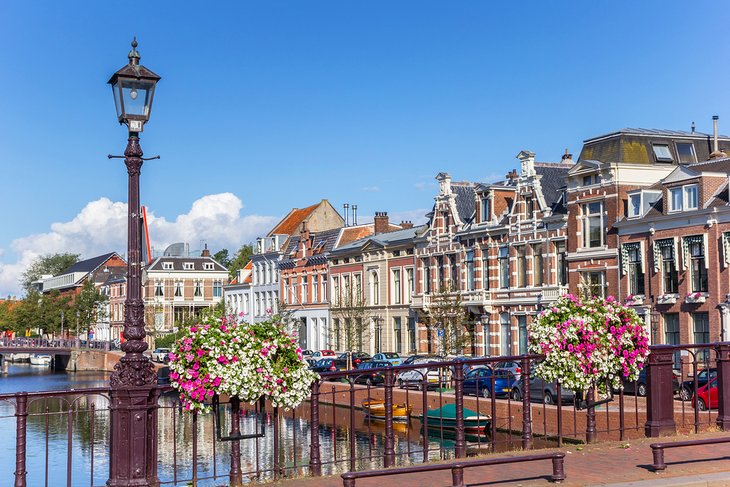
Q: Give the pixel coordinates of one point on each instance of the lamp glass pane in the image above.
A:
(136, 96)
(117, 100)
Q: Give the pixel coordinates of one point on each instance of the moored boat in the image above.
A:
(40, 359)
(445, 418)
(375, 408)
(19, 357)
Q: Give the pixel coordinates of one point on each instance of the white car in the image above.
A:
(161, 355)
(435, 376)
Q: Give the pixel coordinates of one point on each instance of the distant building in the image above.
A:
(96, 269)
(238, 295)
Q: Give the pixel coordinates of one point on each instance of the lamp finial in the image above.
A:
(133, 55)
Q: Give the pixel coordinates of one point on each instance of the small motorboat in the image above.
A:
(375, 408)
(40, 359)
(445, 418)
(19, 357)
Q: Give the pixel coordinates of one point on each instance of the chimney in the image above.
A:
(693, 126)
(346, 206)
(512, 174)
(381, 224)
(354, 215)
(567, 157)
(716, 152)
(406, 224)
(205, 252)
(304, 236)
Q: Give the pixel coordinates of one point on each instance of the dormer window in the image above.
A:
(662, 153)
(188, 266)
(486, 216)
(686, 152)
(635, 205)
(684, 198)
(208, 266)
(641, 201)
(167, 266)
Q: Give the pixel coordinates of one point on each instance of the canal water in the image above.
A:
(53, 445)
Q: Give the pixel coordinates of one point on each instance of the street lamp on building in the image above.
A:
(133, 450)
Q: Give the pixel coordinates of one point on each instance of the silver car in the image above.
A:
(541, 391)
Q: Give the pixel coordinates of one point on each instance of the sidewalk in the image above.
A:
(599, 464)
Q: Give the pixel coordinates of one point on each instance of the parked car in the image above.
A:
(541, 391)
(706, 396)
(434, 375)
(329, 364)
(478, 381)
(371, 378)
(511, 369)
(161, 355)
(467, 362)
(412, 358)
(688, 386)
(391, 357)
(323, 353)
(356, 357)
(311, 362)
(639, 387)
(307, 353)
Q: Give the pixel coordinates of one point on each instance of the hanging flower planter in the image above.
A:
(589, 343)
(223, 356)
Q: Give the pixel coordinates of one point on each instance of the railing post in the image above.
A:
(315, 462)
(660, 398)
(234, 473)
(526, 408)
(389, 450)
(590, 415)
(723, 386)
(21, 413)
(457, 476)
(558, 468)
(460, 444)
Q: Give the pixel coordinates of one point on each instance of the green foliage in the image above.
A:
(88, 308)
(52, 264)
(166, 341)
(42, 312)
(222, 257)
(240, 260)
(447, 315)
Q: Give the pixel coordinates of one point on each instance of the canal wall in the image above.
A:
(96, 360)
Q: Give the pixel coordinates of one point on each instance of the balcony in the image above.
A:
(553, 293)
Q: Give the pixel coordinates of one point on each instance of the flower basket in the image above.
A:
(589, 342)
(222, 356)
(694, 298)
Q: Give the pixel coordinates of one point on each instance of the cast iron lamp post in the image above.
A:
(133, 442)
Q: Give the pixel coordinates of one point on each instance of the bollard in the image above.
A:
(315, 462)
(457, 476)
(558, 468)
(658, 454)
(21, 413)
(590, 415)
(723, 386)
(660, 397)
(526, 408)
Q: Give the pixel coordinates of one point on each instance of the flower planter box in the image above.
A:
(667, 299)
(635, 301)
(693, 299)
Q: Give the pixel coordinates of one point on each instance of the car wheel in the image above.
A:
(486, 393)
(548, 398)
(400, 383)
(516, 396)
(701, 404)
(641, 389)
(684, 394)
(369, 381)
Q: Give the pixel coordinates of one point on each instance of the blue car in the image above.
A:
(391, 357)
(479, 382)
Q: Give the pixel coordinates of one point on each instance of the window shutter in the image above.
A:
(706, 250)
(726, 249)
(642, 256)
(624, 259)
(675, 252)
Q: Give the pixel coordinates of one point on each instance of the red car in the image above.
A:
(706, 396)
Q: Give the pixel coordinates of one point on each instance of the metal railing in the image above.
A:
(336, 431)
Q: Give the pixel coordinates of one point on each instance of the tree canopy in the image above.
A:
(240, 260)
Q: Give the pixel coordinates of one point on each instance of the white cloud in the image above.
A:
(101, 226)
(370, 189)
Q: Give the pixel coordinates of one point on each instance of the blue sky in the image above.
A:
(268, 105)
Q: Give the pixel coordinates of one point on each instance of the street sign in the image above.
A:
(440, 333)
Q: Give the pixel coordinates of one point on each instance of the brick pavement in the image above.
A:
(596, 464)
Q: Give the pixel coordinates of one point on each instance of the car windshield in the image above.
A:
(390, 355)
(324, 362)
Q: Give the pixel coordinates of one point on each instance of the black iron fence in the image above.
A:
(369, 419)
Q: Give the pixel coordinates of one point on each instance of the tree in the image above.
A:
(222, 257)
(351, 318)
(88, 307)
(8, 311)
(446, 316)
(240, 260)
(49, 264)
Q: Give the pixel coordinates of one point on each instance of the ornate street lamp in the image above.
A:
(133, 442)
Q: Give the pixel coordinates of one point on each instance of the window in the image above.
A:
(635, 265)
(412, 334)
(486, 211)
(698, 268)
(593, 224)
(671, 335)
(440, 271)
(538, 269)
(426, 270)
(485, 268)
(594, 283)
(684, 198)
(397, 335)
(208, 266)
(503, 259)
(521, 266)
(338, 337)
(686, 152)
(505, 334)
(562, 263)
(454, 283)
(335, 290)
(324, 287)
(396, 293)
(522, 328)
(159, 288)
(315, 288)
(305, 283)
(410, 284)
(178, 289)
(529, 207)
(167, 266)
(470, 270)
(286, 290)
(701, 322)
(662, 153)
(635, 205)
(188, 266)
(217, 289)
(587, 180)
(374, 288)
(668, 261)
(198, 289)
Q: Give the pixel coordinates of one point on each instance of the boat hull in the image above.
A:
(376, 410)
(42, 360)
